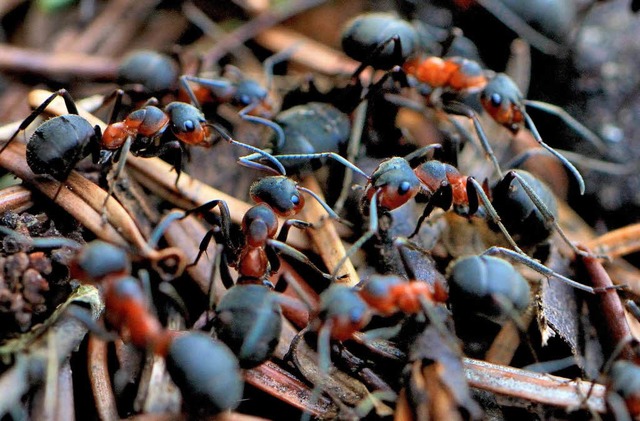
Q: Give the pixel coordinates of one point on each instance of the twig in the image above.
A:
(527, 386)
(325, 239)
(59, 65)
(100, 381)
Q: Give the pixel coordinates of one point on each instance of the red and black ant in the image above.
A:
(59, 143)
(148, 72)
(209, 388)
(500, 96)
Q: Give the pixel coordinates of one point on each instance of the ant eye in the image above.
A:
(189, 126)
(295, 199)
(404, 187)
(245, 99)
(496, 100)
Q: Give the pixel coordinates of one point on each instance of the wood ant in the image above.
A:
(500, 97)
(255, 254)
(487, 285)
(149, 72)
(526, 210)
(127, 311)
(59, 143)
(315, 127)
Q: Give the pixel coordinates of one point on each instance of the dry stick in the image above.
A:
(272, 379)
(66, 333)
(316, 56)
(507, 341)
(97, 366)
(617, 243)
(13, 159)
(253, 28)
(325, 239)
(15, 198)
(611, 324)
(621, 272)
(526, 386)
(59, 65)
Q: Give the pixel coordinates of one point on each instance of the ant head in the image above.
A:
(279, 192)
(258, 224)
(188, 123)
(346, 310)
(248, 92)
(504, 102)
(397, 181)
(98, 259)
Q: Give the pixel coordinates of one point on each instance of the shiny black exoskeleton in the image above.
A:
(311, 128)
(249, 320)
(522, 218)
(59, 143)
(486, 285)
(381, 40)
(155, 73)
(206, 372)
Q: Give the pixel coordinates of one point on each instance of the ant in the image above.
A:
(148, 72)
(59, 143)
(127, 311)
(500, 97)
(315, 127)
(487, 285)
(394, 182)
(345, 310)
(529, 211)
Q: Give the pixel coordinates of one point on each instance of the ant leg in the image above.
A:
(116, 96)
(325, 206)
(546, 213)
(536, 135)
(42, 242)
(571, 122)
(217, 86)
(71, 107)
(371, 231)
(286, 227)
(320, 155)
(355, 139)
(293, 253)
(518, 25)
(419, 155)
(324, 364)
(277, 58)
(259, 120)
(535, 265)
(463, 110)
(124, 151)
(578, 159)
(442, 198)
(264, 154)
(475, 189)
(83, 315)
